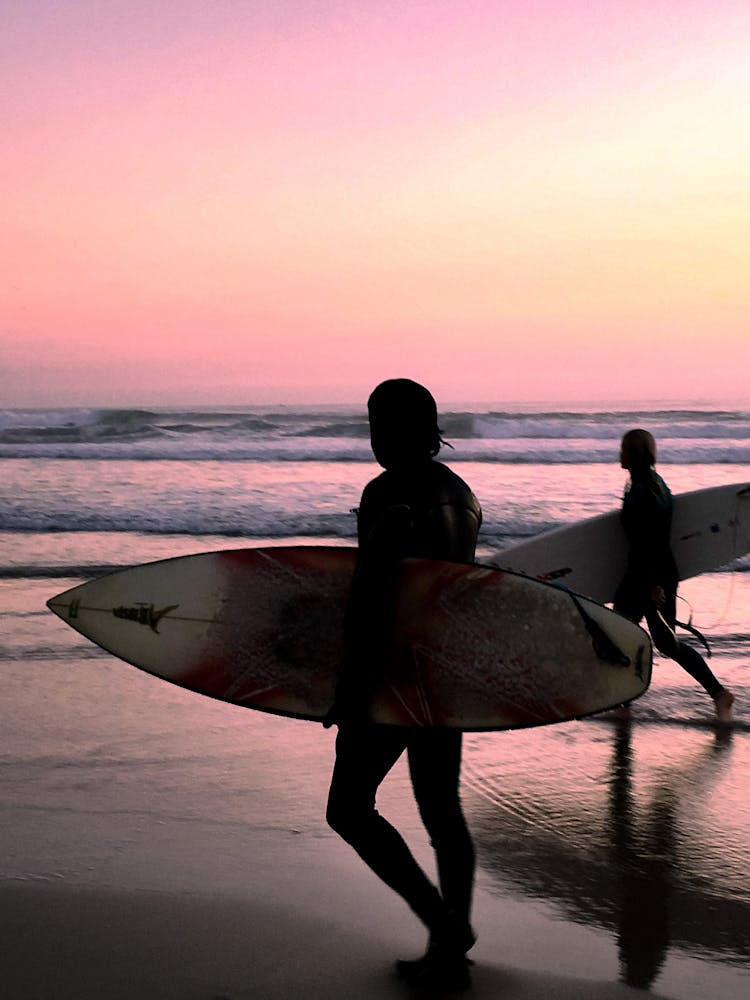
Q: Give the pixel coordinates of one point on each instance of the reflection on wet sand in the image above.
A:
(644, 867)
(632, 855)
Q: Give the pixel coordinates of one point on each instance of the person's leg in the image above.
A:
(364, 755)
(629, 603)
(688, 658)
(434, 765)
(435, 769)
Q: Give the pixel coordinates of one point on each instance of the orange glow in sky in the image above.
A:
(239, 202)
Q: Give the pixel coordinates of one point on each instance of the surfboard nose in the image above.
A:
(67, 604)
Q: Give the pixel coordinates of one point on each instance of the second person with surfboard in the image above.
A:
(649, 588)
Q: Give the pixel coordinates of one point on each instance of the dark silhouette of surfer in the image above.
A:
(649, 588)
(416, 507)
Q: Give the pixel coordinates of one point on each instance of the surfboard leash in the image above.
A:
(689, 627)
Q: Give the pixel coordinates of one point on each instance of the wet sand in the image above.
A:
(65, 943)
(130, 908)
(157, 845)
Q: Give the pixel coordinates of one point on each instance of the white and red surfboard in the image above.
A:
(474, 648)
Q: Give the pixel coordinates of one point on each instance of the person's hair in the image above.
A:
(410, 411)
(640, 448)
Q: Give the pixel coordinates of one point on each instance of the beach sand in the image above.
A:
(68, 943)
(84, 944)
(158, 845)
(143, 909)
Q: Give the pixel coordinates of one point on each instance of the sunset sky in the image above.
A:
(289, 200)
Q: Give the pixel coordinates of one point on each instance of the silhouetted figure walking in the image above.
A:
(415, 507)
(649, 588)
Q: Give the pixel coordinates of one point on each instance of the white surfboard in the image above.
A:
(710, 528)
(471, 648)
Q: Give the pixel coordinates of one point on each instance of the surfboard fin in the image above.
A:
(604, 647)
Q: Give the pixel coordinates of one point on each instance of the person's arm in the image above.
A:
(368, 620)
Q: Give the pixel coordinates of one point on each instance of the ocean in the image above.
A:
(611, 827)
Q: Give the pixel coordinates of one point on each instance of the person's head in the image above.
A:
(638, 450)
(403, 423)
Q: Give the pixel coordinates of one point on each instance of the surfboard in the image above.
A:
(710, 528)
(473, 648)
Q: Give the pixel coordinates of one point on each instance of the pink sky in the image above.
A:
(237, 201)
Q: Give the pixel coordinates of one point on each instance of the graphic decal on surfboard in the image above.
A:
(143, 613)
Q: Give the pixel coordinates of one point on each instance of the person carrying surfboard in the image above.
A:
(416, 507)
(649, 587)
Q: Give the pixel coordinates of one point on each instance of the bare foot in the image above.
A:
(724, 701)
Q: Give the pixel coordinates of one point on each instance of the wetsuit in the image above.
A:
(425, 511)
(647, 520)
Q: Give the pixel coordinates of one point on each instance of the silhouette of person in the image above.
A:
(416, 507)
(649, 588)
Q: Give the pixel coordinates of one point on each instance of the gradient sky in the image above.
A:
(232, 202)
